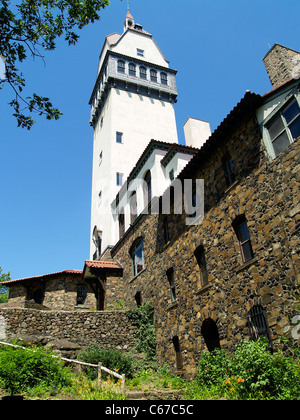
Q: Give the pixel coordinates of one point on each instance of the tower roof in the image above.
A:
(129, 16)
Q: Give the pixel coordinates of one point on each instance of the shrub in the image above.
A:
(251, 372)
(111, 359)
(142, 317)
(21, 369)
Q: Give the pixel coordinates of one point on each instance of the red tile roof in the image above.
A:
(103, 264)
(58, 273)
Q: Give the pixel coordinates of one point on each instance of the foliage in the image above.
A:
(111, 359)
(251, 372)
(3, 289)
(21, 369)
(143, 318)
(28, 27)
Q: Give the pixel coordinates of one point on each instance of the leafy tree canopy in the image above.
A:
(3, 290)
(29, 27)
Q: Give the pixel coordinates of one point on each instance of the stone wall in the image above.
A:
(111, 329)
(267, 195)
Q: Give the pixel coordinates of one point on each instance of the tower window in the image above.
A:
(140, 52)
(119, 178)
(121, 223)
(119, 137)
(121, 66)
(147, 188)
(164, 78)
(153, 75)
(132, 69)
(133, 207)
(143, 73)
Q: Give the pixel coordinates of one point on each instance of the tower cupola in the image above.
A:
(129, 21)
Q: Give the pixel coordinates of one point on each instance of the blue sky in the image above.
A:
(217, 47)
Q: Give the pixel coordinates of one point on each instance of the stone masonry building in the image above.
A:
(231, 274)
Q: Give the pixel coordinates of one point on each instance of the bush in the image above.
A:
(142, 317)
(251, 372)
(111, 359)
(21, 369)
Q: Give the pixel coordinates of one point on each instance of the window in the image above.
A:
(243, 235)
(81, 294)
(121, 223)
(210, 333)
(258, 323)
(147, 188)
(176, 344)
(228, 169)
(97, 242)
(99, 198)
(119, 178)
(170, 276)
(137, 256)
(140, 52)
(200, 257)
(153, 76)
(143, 73)
(133, 207)
(284, 127)
(164, 78)
(121, 66)
(100, 157)
(132, 69)
(119, 137)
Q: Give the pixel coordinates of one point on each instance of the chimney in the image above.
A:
(196, 132)
(282, 64)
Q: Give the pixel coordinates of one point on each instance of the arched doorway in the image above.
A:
(210, 333)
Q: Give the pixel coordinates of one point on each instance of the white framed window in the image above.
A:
(121, 66)
(140, 52)
(282, 128)
(164, 78)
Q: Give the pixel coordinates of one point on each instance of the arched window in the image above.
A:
(143, 73)
(132, 69)
(121, 66)
(97, 242)
(137, 257)
(133, 207)
(177, 349)
(147, 188)
(200, 257)
(153, 75)
(170, 276)
(258, 323)
(210, 333)
(163, 78)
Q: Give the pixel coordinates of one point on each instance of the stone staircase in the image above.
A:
(173, 394)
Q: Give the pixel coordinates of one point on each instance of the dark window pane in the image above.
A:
(243, 232)
(295, 128)
(275, 127)
(291, 112)
(247, 251)
(281, 143)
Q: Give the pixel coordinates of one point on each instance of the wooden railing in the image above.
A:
(78, 362)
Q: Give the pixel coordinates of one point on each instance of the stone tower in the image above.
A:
(132, 102)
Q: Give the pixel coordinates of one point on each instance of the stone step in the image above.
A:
(173, 394)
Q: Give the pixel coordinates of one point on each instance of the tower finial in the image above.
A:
(127, 6)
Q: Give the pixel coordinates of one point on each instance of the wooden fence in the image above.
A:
(78, 362)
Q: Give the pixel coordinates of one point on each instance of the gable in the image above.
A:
(132, 39)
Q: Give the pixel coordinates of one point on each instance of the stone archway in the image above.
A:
(210, 333)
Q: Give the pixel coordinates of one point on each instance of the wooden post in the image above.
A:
(99, 374)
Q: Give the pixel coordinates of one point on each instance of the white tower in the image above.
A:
(132, 102)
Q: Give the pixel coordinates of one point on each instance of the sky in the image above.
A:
(216, 46)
